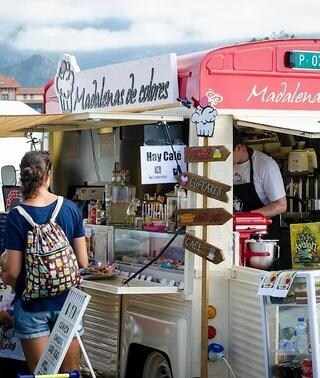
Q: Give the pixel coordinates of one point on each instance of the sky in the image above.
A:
(94, 25)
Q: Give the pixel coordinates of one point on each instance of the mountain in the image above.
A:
(9, 56)
(35, 71)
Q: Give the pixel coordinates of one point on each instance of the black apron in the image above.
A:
(247, 199)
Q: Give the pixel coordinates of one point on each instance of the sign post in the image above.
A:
(205, 154)
(204, 216)
(195, 217)
(204, 290)
(203, 249)
(205, 186)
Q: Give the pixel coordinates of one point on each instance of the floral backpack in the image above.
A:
(50, 262)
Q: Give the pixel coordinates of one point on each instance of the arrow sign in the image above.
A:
(196, 217)
(205, 154)
(203, 185)
(203, 249)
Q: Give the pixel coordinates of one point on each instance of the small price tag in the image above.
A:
(172, 283)
(181, 285)
(149, 278)
(142, 277)
(163, 281)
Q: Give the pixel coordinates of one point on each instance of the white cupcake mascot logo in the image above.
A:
(64, 82)
(205, 113)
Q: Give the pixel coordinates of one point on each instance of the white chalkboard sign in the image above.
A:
(63, 332)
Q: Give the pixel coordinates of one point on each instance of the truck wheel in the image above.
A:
(156, 366)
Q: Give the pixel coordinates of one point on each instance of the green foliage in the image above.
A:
(280, 35)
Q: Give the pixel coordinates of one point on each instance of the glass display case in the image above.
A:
(135, 248)
(291, 329)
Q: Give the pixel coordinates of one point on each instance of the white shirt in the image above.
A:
(267, 177)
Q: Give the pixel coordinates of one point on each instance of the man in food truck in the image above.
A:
(258, 183)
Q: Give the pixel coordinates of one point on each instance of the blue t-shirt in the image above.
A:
(16, 231)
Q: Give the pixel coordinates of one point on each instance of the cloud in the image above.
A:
(66, 26)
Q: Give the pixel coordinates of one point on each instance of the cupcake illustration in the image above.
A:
(205, 113)
(64, 82)
(204, 118)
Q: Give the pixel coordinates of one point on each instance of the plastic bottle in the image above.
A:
(301, 340)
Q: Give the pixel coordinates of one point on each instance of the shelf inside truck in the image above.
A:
(135, 287)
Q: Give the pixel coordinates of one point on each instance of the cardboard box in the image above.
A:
(305, 245)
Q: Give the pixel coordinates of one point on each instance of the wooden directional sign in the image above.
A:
(203, 185)
(205, 154)
(203, 249)
(195, 217)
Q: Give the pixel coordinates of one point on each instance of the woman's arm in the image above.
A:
(80, 249)
(12, 266)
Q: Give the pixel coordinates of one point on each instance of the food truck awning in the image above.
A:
(16, 119)
(17, 125)
(300, 123)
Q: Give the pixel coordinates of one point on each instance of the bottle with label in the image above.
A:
(92, 212)
(301, 339)
(172, 205)
(118, 196)
(98, 212)
(181, 198)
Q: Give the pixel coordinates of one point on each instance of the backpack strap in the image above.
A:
(27, 216)
(57, 209)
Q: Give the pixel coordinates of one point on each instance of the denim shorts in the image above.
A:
(31, 325)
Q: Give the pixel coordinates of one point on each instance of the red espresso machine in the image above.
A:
(248, 224)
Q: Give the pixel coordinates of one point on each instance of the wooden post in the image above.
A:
(204, 289)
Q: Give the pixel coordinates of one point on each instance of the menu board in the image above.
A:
(3, 219)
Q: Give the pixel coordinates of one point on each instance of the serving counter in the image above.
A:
(151, 312)
(114, 286)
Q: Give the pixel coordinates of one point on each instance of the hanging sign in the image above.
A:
(205, 154)
(203, 249)
(205, 186)
(195, 217)
(159, 163)
(144, 83)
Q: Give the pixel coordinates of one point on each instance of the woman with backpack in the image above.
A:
(48, 225)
